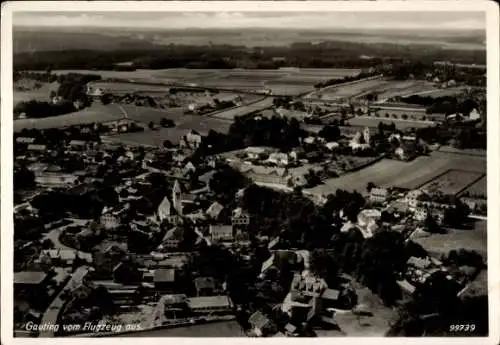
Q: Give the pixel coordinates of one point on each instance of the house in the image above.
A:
(260, 323)
(164, 279)
(214, 210)
(191, 140)
(308, 285)
(58, 256)
(420, 213)
(55, 180)
(261, 174)
(172, 239)
(412, 198)
(205, 286)
(279, 158)
(188, 168)
(406, 287)
(221, 233)
(400, 153)
(267, 265)
(37, 147)
(332, 145)
(79, 145)
(240, 217)
(210, 304)
(273, 243)
(109, 221)
(379, 195)
(25, 140)
(419, 262)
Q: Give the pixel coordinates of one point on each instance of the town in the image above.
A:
(327, 202)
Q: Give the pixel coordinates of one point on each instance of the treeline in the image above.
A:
(247, 131)
(70, 96)
(444, 105)
(307, 55)
(345, 79)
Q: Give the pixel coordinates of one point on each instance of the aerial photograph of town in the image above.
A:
(249, 174)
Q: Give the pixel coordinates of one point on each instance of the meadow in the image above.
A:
(407, 175)
(452, 182)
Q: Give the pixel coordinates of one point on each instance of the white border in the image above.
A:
(489, 7)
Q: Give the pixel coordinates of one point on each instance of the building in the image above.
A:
(37, 147)
(205, 286)
(171, 211)
(266, 175)
(79, 145)
(210, 304)
(55, 180)
(164, 279)
(191, 140)
(379, 195)
(420, 213)
(260, 324)
(280, 159)
(412, 198)
(240, 217)
(222, 233)
(308, 285)
(25, 140)
(214, 210)
(109, 221)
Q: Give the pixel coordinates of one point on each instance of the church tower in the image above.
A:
(176, 198)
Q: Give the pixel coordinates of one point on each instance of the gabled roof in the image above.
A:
(164, 275)
(29, 277)
(204, 283)
(258, 320)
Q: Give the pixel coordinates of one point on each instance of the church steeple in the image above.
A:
(176, 198)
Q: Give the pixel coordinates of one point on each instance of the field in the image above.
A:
(385, 89)
(372, 122)
(281, 81)
(40, 94)
(452, 182)
(96, 113)
(434, 93)
(408, 175)
(475, 239)
(478, 188)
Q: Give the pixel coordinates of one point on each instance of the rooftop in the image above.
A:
(29, 277)
(208, 302)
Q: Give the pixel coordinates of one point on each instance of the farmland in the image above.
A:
(452, 182)
(384, 88)
(96, 113)
(31, 93)
(475, 239)
(407, 175)
(479, 188)
(372, 122)
(280, 81)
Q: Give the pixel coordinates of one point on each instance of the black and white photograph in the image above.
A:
(260, 171)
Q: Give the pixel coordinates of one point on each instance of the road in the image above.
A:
(50, 317)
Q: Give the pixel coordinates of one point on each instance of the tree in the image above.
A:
(167, 144)
(369, 186)
(164, 122)
(151, 125)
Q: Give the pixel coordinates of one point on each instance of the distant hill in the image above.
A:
(106, 39)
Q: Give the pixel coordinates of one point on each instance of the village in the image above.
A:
(107, 232)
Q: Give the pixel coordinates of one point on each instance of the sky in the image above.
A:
(234, 20)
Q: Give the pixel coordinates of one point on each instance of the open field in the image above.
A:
(408, 175)
(368, 121)
(385, 89)
(96, 113)
(452, 182)
(286, 81)
(475, 239)
(118, 87)
(478, 188)
(40, 94)
(435, 93)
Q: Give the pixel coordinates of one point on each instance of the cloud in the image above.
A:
(228, 20)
